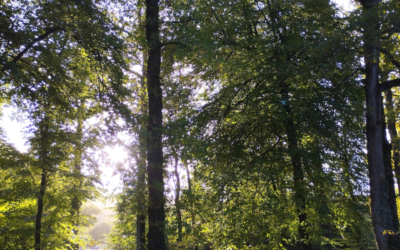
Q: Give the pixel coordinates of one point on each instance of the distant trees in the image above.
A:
(51, 69)
(99, 231)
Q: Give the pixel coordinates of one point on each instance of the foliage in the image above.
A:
(263, 121)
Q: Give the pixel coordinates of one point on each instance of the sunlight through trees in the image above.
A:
(201, 125)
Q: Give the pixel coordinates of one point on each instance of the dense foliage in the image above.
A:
(248, 124)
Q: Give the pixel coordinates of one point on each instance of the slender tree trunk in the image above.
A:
(141, 216)
(43, 155)
(387, 161)
(177, 200)
(393, 135)
(298, 177)
(298, 173)
(76, 202)
(382, 217)
(156, 212)
(39, 214)
(192, 215)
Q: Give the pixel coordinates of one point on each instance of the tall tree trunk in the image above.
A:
(156, 212)
(43, 157)
(192, 215)
(382, 218)
(39, 214)
(298, 177)
(387, 161)
(141, 215)
(76, 202)
(298, 173)
(393, 135)
(177, 200)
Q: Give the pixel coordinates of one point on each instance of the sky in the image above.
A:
(345, 4)
(13, 128)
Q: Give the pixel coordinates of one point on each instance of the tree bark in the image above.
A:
(76, 202)
(387, 161)
(298, 173)
(177, 200)
(141, 216)
(39, 214)
(156, 212)
(43, 155)
(382, 217)
(393, 135)
(192, 214)
(141, 178)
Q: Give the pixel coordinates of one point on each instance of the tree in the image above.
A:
(39, 66)
(18, 184)
(259, 102)
(275, 113)
(381, 209)
(156, 212)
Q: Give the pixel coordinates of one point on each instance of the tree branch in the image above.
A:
(40, 38)
(170, 43)
(389, 84)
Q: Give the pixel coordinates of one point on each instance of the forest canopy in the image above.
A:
(247, 124)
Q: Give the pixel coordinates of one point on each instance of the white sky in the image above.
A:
(346, 5)
(13, 128)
